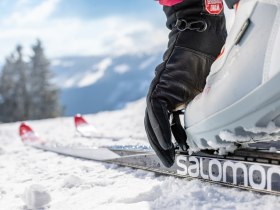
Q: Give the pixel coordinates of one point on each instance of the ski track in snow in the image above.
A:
(82, 184)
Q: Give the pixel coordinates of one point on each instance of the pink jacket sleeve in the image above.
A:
(169, 2)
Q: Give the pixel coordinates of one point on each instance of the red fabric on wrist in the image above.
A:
(170, 2)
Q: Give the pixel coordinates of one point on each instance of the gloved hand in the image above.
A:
(194, 42)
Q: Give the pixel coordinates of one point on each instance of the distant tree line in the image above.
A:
(26, 88)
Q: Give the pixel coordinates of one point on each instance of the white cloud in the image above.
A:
(113, 35)
(121, 69)
(22, 3)
(24, 15)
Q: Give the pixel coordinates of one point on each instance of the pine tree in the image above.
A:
(13, 90)
(26, 89)
(44, 94)
(21, 72)
(7, 84)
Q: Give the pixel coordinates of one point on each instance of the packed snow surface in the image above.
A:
(71, 184)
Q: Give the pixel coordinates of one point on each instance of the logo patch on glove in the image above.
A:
(214, 7)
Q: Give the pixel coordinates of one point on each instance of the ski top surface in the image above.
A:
(245, 169)
(29, 138)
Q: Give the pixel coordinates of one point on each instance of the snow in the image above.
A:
(36, 196)
(272, 149)
(225, 150)
(58, 62)
(99, 71)
(222, 151)
(231, 137)
(87, 130)
(72, 181)
(271, 128)
(81, 184)
(147, 62)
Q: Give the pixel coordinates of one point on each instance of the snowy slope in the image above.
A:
(79, 184)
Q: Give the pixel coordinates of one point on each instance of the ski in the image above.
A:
(249, 169)
(87, 130)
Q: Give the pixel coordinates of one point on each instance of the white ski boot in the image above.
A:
(241, 99)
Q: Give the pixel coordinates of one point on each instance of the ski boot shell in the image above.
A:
(241, 99)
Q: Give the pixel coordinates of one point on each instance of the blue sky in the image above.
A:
(99, 8)
(83, 27)
(89, 8)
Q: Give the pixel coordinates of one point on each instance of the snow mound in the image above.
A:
(231, 137)
(272, 149)
(222, 151)
(72, 181)
(36, 196)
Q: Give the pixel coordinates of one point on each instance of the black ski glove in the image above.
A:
(194, 42)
